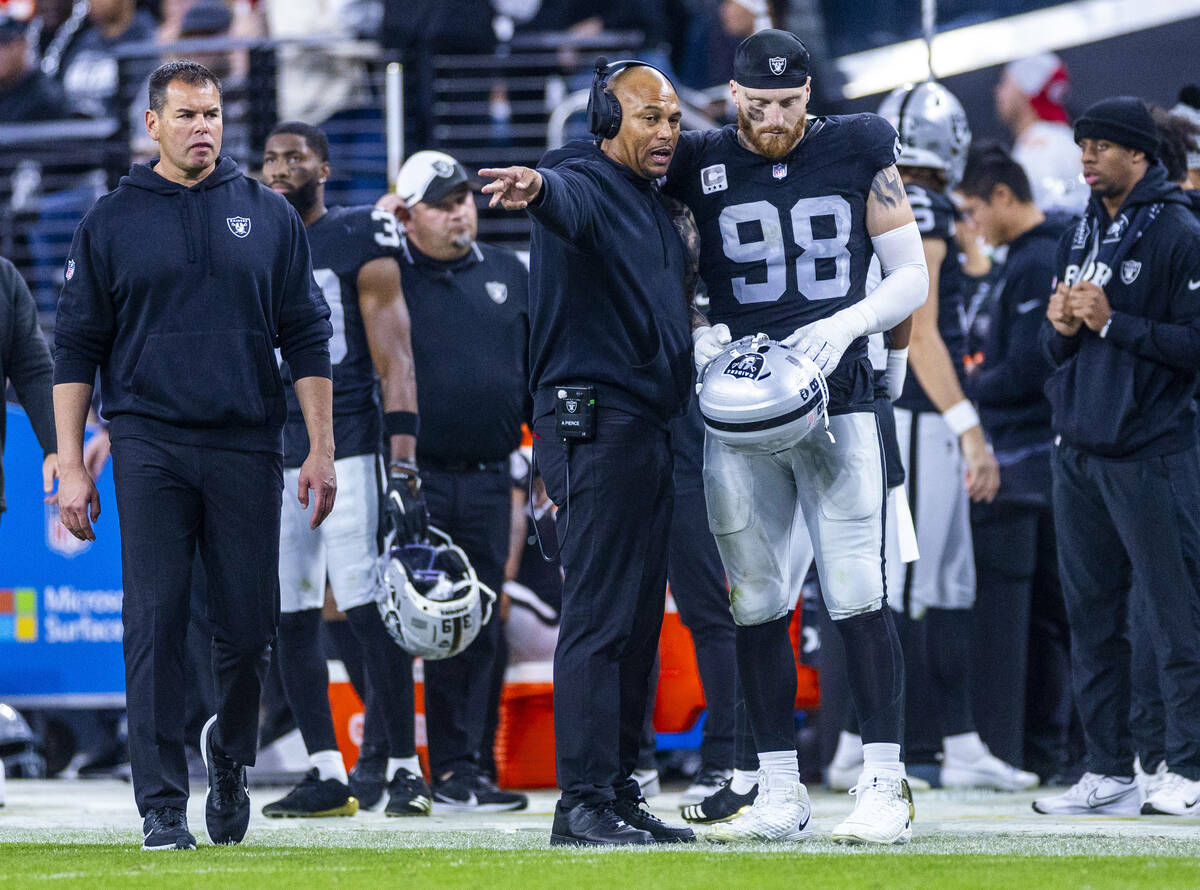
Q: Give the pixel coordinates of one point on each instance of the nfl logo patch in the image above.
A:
(1130, 270)
(239, 225)
(779, 171)
(497, 290)
(70, 273)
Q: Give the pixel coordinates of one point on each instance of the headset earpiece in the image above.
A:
(604, 109)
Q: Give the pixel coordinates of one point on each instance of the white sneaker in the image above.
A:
(1173, 795)
(1148, 782)
(883, 812)
(985, 771)
(1094, 794)
(781, 812)
(707, 783)
(647, 780)
(843, 775)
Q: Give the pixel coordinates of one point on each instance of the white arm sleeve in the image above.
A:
(904, 287)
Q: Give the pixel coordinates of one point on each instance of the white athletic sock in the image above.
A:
(743, 780)
(780, 766)
(849, 748)
(412, 764)
(882, 759)
(966, 746)
(329, 765)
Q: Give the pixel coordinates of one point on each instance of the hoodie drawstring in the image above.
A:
(185, 222)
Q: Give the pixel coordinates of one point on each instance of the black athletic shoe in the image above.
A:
(408, 795)
(314, 797)
(637, 816)
(227, 804)
(721, 806)
(368, 779)
(594, 825)
(465, 792)
(165, 828)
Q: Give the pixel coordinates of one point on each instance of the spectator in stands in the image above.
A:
(26, 94)
(715, 34)
(1029, 100)
(25, 360)
(1188, 107)
(90, 73)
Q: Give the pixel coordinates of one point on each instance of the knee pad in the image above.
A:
(850, 608)
(751, 607)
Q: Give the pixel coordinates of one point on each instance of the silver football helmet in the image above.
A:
(433, 605)
(932, 126)
(18, 746)
(761, 397)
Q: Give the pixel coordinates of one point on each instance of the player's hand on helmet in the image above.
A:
(406, 502)
(983, 472)
(710, 341)
(393, 204)
(823, 341)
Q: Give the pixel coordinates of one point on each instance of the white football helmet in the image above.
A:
(932, 126)
(761, 397)
(433, 605)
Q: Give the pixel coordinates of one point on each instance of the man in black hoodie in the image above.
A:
(1019, 618)
(179, 286)
(607, 314)
(1125, 343)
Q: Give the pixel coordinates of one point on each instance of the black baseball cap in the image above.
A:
(771, 60)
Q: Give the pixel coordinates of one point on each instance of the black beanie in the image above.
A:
(1124, 120)
(771, 60)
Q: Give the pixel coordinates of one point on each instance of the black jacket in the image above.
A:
(1129, 395)
(180, 296)
(25, 360)
(1008, 385)
(606, 301)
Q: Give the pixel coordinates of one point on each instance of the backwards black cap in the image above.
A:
(771, 60)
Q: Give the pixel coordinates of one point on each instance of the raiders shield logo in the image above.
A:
(443, 169)
(572, 405)
(778, 65)
(747, 366)
(1130, 270)
(497, 290)
(239, 225)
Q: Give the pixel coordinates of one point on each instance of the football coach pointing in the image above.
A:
(179, 286)
(610, 353)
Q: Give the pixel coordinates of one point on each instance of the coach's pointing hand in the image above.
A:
(514, 187)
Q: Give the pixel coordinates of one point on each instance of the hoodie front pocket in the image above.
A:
(206, 378)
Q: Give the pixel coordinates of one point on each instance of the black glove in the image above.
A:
(405, 502)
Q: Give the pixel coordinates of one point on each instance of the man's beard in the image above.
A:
(772, 145)
(303, 197)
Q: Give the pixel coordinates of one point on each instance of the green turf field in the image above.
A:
(306, 868)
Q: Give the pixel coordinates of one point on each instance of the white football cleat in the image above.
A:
(843, 775)
(1094, 794)
(883, 812)
(985, 771)
(781, 812)
(1172, 795)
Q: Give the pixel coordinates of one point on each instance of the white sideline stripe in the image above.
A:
(1000, 41)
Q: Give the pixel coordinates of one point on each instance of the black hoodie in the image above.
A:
(180, 295)
(1129, 394)
(606, 302)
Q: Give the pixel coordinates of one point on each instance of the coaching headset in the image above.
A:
(603, 108)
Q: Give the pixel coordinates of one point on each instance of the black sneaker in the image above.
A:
(314, 797)
(720, 807)
(594, 825)
(637, 816)
(408, 795)
(165, 828)
(464, 792)
(227, 804)
(369, 777)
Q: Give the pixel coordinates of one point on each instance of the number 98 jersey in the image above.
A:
(343, 241)
(784, 242)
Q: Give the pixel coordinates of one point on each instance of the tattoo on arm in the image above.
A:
(888, 188)
(685, 225)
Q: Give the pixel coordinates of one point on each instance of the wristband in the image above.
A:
(400, 423)
(1104, 330)
(961, 417)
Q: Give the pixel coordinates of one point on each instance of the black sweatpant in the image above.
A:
(1129, 551)
(474, 507)
(613, 534)
(171, 498)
